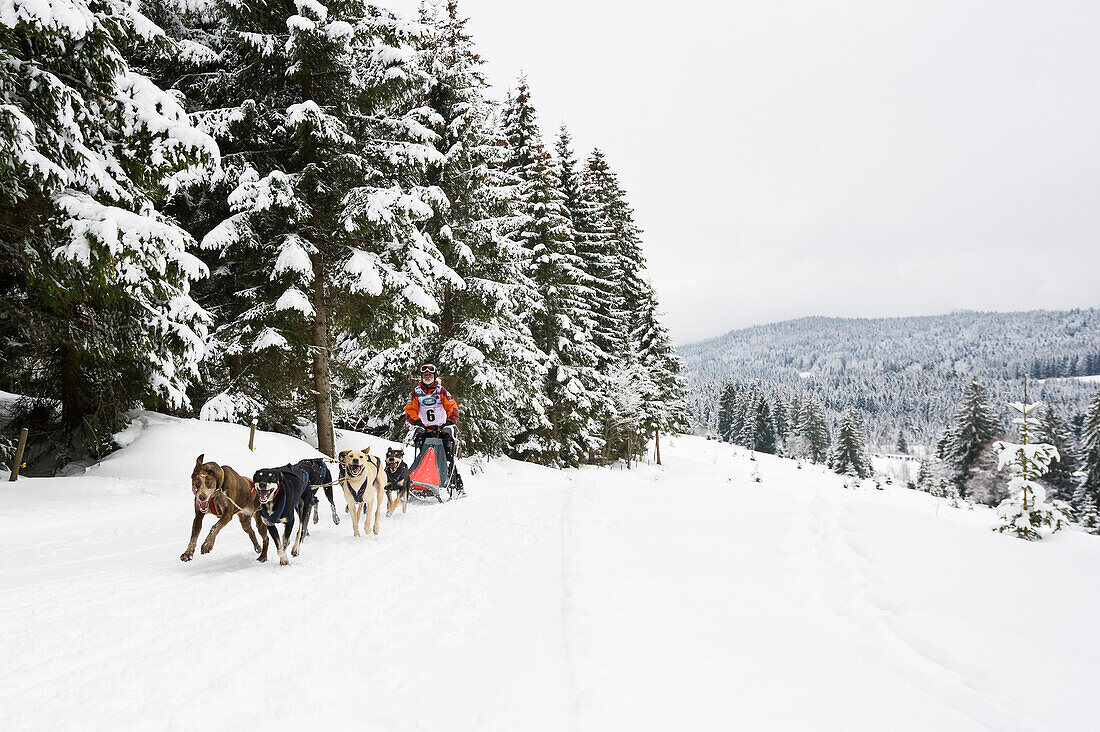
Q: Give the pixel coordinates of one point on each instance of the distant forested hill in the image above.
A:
(905, 374)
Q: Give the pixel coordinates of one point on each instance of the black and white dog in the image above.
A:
(397, 481)
(283, 495)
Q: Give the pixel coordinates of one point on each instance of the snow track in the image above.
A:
(680, 597)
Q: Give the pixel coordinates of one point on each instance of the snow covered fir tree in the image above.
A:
(1026, 512)
(96, 309)
(1086, 497)
(278, 211)
(848, 455)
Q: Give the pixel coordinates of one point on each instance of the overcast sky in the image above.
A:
(830, 157)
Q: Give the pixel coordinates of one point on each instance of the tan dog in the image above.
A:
(364, 484)
(220, 491)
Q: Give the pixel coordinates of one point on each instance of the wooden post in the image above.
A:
(657, 435)
(18, 463)
(252, 436)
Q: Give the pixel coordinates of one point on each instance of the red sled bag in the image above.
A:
(429, 472)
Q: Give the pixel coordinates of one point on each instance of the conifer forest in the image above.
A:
(278, 211)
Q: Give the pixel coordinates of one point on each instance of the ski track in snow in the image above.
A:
(686, 596)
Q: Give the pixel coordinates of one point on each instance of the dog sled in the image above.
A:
(432, 475)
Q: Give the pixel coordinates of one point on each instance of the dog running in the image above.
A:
(364, 484)
(219, 490)
(284, 494)
(397, 481)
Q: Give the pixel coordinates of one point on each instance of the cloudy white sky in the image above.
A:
(830, 157)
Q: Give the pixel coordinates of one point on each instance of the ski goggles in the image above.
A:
(427, 369)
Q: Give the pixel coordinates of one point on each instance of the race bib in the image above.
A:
(432, 412)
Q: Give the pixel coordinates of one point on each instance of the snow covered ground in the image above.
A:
(687, 596)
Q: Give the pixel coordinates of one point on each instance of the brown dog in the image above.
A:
(220, 491)
(364, 484)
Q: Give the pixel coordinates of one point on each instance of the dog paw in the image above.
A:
(207, 547)
(186, 557)
(376, 531)
(335, 519)
(261, 558)
(283, 561)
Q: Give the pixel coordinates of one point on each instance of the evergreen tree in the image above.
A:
(607, 337)
(937, 478)
(314, 106)
(1025, 512)
(1088, 492)
(559, 318)
(813, 433)
(1059, 478)
(975, 425)
(849, 452)
(779, 418)
(485, 352)
(595, 205)
(95, 307)
(664, 398)
(726, 405)
(758, 428)
(903, 444)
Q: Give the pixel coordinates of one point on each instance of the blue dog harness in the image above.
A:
(268, 518)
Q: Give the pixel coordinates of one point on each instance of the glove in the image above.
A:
(418, 423)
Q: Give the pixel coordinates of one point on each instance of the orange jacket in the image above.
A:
(412, 409)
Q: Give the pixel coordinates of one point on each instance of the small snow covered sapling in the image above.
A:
(1026, 512)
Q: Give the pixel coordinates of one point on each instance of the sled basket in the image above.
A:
(429, 473)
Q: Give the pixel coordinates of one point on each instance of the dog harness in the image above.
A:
(400, 473)
(358, 495)
(268, 518)
(213, 510)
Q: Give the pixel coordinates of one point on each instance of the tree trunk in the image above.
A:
(74, 403)
(657, 436)
(322, 383)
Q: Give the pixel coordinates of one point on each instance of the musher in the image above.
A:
(431, 407)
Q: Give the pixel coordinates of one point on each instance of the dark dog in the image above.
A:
(319, 476)
(220, 491)
(283, 493)
(397, 481)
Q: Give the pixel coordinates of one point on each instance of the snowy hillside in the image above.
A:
(676, 597)
(904, 373)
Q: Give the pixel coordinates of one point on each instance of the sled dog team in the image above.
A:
(277, 496)
(280, 497)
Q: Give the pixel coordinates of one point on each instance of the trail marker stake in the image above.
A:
(252, 436)
(18, 462)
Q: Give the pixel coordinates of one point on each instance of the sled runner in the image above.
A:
(431, 474)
